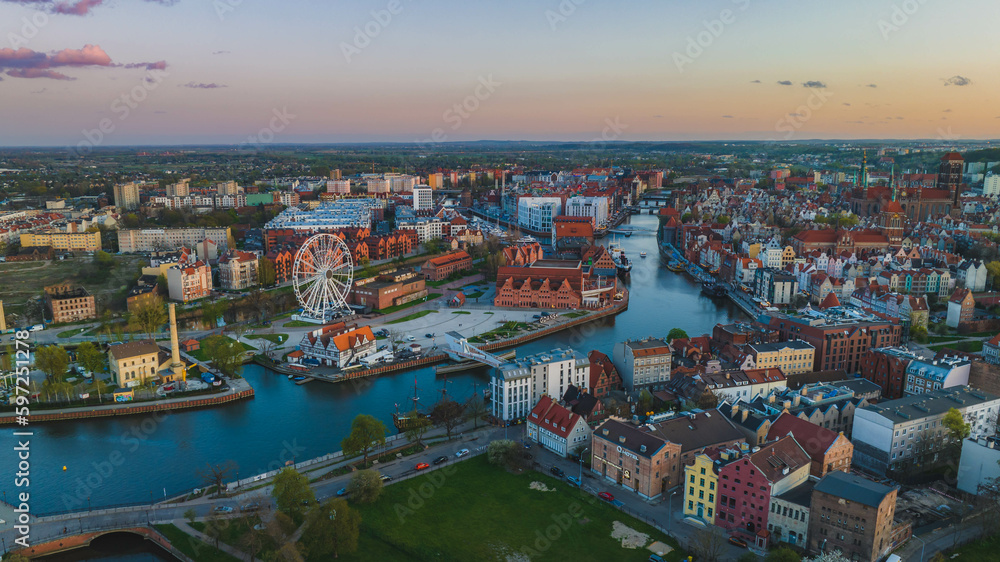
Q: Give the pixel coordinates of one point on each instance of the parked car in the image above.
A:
(738, 542)
(410, 338)
(223, 509)
(422, 466)
(557, 472)
(574, 481)
(527, 444)
(462, 453)
(251, 507)
(655, 558)
(342, 492)
(440, 460)
(606, 496)
(428, 335)
(386, 478)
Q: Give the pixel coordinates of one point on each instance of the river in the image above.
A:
(135, 459)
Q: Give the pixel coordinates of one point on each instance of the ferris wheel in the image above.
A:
(322, 275)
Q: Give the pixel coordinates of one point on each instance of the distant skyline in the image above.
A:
(85, 73)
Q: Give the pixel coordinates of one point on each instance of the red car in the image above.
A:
(422, 466)
(738, 542)
(606, 496)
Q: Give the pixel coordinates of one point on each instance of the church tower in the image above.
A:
(892, 216)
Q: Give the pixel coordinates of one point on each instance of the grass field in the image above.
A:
(413, 316)
(23, 280)
(475, 295)
(475, 511)
(298, 324)
(978, 551)
(575, 314)
(461, 312)
(399, 307)
(200, 353)
(969, 346)
(274, 338)
(193, 547)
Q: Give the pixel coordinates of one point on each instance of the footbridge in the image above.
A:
(459, 349)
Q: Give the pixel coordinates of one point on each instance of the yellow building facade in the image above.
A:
(701, 484)
(66, 241)
(792, 357)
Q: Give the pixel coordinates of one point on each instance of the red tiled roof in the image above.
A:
(830, 301)
(553, 417)
(815, 439)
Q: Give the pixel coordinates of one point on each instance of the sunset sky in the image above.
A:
(220, 71)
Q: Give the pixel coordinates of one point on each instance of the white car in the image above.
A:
(462, 453)
(411, 338)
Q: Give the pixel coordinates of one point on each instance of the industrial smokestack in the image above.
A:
(176, 365)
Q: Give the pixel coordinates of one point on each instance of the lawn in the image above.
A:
(399, 307)
(199, 354)
(413, 316)
(299, 324)
(575, 314)
(193, 547)
(939, 339)
(475, 295)
(978, 551)
(274, 338)
(475, 511)
(461, 312)
(72, 333)
(24, 280)
(968, 346)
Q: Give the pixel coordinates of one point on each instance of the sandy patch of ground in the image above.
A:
(541, 487)
(630, 537)
(660, 548)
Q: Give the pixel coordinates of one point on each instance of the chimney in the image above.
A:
(746, 413)
(176, 365)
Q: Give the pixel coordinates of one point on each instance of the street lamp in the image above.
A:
(670, 509)
(922, 545)
(581, 463)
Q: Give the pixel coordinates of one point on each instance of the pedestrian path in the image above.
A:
(183, 526)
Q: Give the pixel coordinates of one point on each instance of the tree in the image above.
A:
(367, 432)
(447, 414)
(708, 544)
(210, 312)
(190, 514)
(292, 493)
(782, 554)
(506, 453)
(919, 334)
(835, 556)
(216, 475)
(90, 358)
(365, 486)
(434, 246)
(676, 333)
(252, 542)
(289, 552)
(148, 317)
(162, 288)
(798, 301)
(708, 400)
(331, 530)
(475, 409)
(266, 274)
(224, 353)
(16, 557)
(645, 402)
(260, 303)
(52, 360)
(417, 427)
(214, 528)
(958, 428)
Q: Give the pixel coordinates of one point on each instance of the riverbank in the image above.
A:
(240, 389)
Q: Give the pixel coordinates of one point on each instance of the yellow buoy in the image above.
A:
(64, 468)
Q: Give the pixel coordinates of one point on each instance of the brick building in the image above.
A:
(441, 267)
(829, 450)
(603, 376)
(633, 458)
(238, 270)
(388, 289)
(282, 259)
(67, 303)
(142, 295)
(852, 515)
(186, 283)
(552, 284)
(696, 433)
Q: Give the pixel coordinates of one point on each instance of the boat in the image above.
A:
(622, 262)
(298, 378)
(676, 267)
(290, 377)
(713, 289)
(403, 420)
(642, 254)
(628, 233)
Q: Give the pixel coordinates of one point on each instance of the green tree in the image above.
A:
(104, 260)
(190, 514)
(52, 360)
(211, 311)
(782, 554)
(506, 453)
(365, 486)
(447, 414)
(645, 402)
(224, 353)
(708, 400)
(291, 493)
(90, 358)
(676, 333)
(162, 287)
(958, 429)
(919, 334)
(148, 317)
(367, 432)
(266, 274)
(331, 530)
(417, 427)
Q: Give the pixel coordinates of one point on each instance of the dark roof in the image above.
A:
(798, 381)
(133, 349)
(581, 403)
(858, 386)
(698, 431)
(799, 495)
(634, 438)
(853, 488)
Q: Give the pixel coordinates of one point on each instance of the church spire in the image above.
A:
(892, 182)
(864, 168)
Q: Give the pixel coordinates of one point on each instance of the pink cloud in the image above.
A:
(25, 63)
(158, 65)
(81, 8)
(38, 73)
(89, 55)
